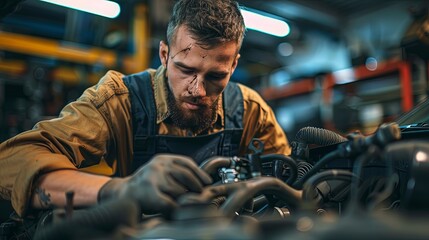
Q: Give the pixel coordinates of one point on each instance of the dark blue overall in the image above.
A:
(147, 141)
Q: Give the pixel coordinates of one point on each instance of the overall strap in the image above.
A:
(143, 111)
(233, 106)
(142, 103)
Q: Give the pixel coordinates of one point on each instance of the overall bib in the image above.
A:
(147, 141)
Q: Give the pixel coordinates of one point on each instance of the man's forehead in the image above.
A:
(188, 58)
(220, 53)
(185, 41)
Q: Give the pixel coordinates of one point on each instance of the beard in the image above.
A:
(193, 120)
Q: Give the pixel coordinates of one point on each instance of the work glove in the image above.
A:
(157, 185)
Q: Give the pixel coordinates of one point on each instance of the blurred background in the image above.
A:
(342, 65)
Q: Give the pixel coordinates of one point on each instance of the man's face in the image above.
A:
(196, 78)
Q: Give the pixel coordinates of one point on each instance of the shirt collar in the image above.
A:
(160, 84)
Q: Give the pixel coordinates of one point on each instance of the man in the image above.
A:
(149, 131)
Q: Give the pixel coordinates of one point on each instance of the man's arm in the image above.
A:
(51, 188)
(83, 136)
(155, 186)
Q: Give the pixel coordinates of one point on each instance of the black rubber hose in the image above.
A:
(318, 136)
(290, 162)
(97, 222)
(303, 168)
(360, 161)
(310, 185)
(319, 165)
(257, 186)
(239, 193)
(212, 165)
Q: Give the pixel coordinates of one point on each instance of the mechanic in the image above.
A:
(143, 135)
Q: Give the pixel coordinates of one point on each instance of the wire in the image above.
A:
(309, 192)
(321, 163)
(286, 160)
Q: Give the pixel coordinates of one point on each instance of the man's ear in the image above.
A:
(163, 53)
(235, 62)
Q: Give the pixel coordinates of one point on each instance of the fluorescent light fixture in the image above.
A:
(99, 7)
(262, 22)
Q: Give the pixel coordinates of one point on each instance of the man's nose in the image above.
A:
(197, 87)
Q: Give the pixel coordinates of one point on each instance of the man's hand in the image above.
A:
(158, 184)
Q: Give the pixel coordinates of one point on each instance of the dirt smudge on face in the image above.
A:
(185, 51)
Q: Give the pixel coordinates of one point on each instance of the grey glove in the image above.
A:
(157, 185)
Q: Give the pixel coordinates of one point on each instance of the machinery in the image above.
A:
(331, 187)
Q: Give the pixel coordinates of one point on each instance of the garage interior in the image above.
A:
(340, 61)
(345, 66)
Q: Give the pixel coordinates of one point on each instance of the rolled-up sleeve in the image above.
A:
(87, 132)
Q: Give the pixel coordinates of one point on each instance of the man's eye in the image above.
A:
(186, 71)
(215, 77)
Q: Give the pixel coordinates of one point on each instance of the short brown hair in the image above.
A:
(210, 21)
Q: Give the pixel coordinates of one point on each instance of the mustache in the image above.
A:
(194, 100)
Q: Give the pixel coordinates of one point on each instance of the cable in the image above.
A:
(290, 162)
(371, 152)
(309, 192)
(321, 163)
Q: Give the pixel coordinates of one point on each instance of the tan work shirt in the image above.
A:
(94, 134)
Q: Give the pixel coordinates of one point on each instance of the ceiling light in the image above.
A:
(99, 7)
(262, 22)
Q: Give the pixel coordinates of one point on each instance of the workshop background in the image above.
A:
(344, 66)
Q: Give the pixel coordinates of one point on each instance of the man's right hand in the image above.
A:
(158, 184)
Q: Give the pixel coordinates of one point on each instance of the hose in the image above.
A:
(319, 136)
(303, 168)
(239, 193)
(211, 165)
(101, 220)
(319, 165)
(309, 192)
(290, 162)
